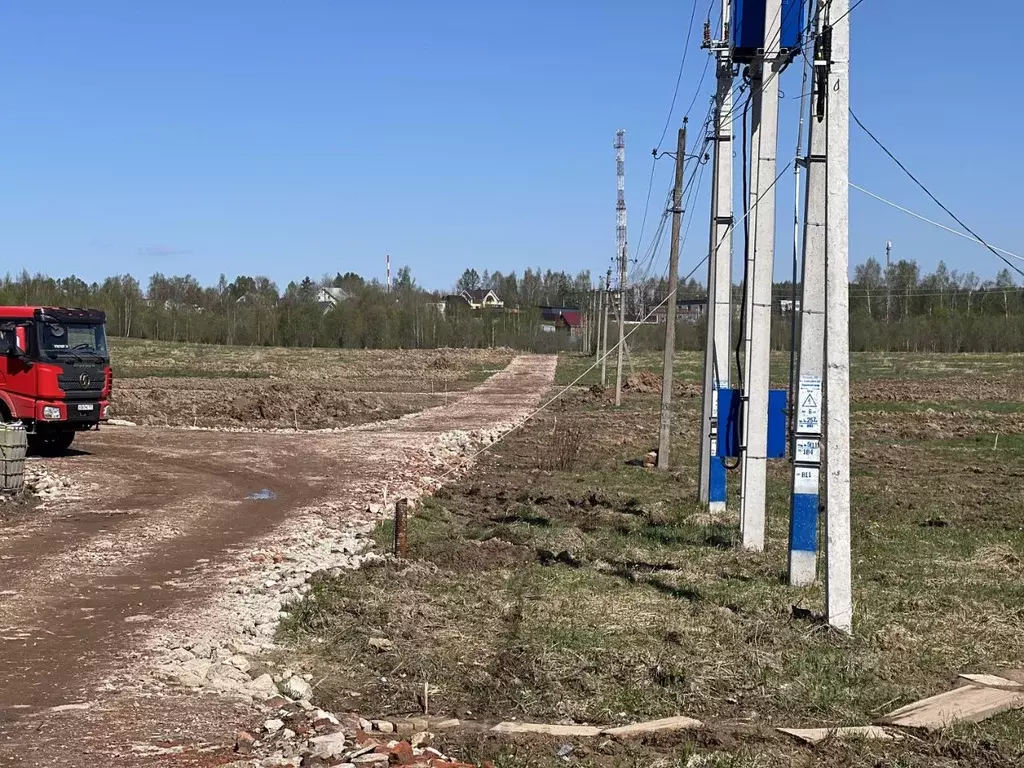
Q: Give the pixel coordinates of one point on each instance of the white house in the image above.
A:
(328, 298)
(482, 299)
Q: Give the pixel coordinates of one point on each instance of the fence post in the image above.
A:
(401, 528)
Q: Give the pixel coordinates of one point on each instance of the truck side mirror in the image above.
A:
(9, 348)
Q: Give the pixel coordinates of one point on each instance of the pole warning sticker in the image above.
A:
(808, 414)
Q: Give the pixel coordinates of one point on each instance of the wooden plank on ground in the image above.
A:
(680, 723)
(815, 735)
(992, 681)
(1017, 675)
(970, 704)
(547, 729)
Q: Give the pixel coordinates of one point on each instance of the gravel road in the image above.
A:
(159, 536)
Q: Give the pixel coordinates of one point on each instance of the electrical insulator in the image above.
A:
(707, 34)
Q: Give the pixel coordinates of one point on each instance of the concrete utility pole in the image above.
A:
(803, 521)
(622, 252)
(665, 430)
(712, 485)
(604, 333)
(761, 255)
(838, 583)
(599, 297)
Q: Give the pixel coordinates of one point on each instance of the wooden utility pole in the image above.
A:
(588, 319)
(604, 333)
(665, 431)
(888, 284)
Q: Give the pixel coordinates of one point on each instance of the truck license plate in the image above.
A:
(86, 407)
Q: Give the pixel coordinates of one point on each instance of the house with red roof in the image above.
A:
(562, 319)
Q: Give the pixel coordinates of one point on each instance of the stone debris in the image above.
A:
(296, 688)
(44, 484)
(71, 707)
(243, 743)
(292, 735)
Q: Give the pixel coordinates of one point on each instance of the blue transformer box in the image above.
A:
(730, 403)
(748, 27)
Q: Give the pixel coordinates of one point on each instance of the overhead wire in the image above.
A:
(689, 190)
(670, 297)
(679, 77)
(668, 119)
(647, 262)
(934, 199)
(925, 219)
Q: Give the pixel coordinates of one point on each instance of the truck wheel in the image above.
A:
(51, 445)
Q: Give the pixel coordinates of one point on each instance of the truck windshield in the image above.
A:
(73, 338)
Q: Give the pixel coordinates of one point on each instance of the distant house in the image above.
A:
(482, 298)
(328, 298)
(454, 302)
(476, 299)
(788, 306)
(565, 319)
(687, 311)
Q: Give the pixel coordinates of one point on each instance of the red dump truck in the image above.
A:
(55, 373)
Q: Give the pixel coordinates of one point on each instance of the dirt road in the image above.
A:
(87, 580)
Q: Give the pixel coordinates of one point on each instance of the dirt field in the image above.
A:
(593, 591)
(162, 541)
(198, 385)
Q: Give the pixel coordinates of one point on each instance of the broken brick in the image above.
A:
(243, 743)
(401, 754)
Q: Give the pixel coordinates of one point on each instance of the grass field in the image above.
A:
(560, 583)
(266, 387)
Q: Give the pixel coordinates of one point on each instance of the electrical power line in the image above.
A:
(679, 77)
(928, 192)
(925, 219)
(578, 379)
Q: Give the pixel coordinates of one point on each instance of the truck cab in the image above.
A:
(55, 374)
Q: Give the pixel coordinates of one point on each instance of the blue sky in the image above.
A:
(300, 138)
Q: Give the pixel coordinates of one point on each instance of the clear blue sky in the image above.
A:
(315, 136)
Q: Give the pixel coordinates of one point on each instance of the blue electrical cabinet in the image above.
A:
(730, 403)
(748, 27)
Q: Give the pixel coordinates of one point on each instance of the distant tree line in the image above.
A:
(254, 311)
(945, 311)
